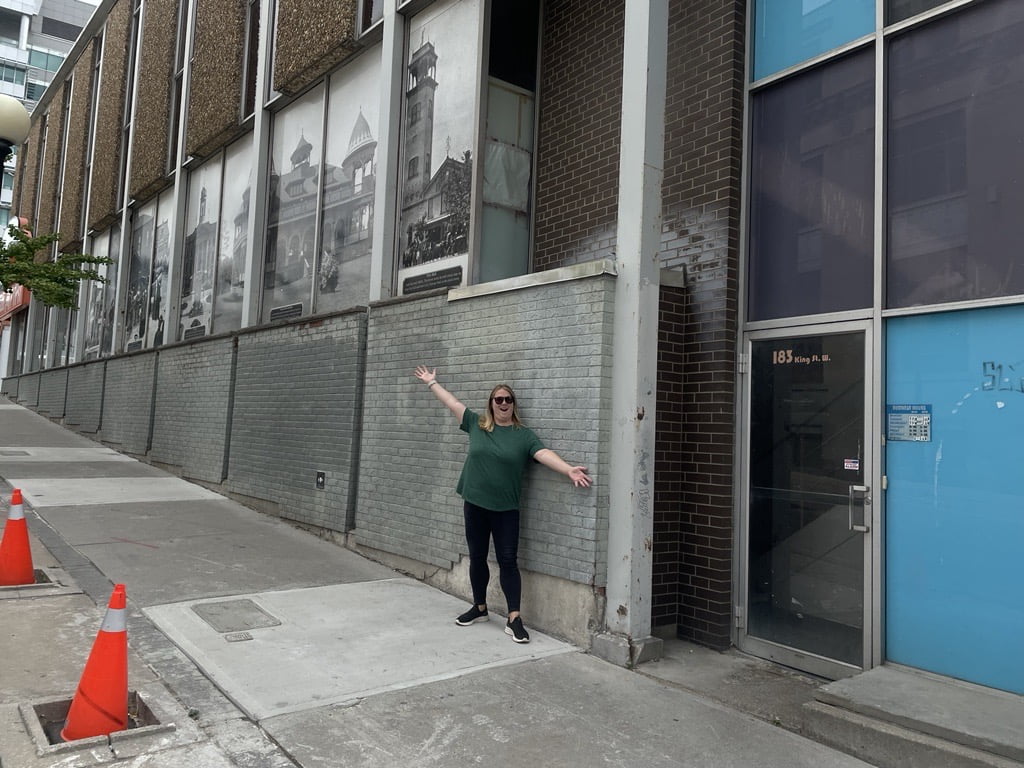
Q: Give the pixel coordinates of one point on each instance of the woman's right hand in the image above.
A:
(426, 375)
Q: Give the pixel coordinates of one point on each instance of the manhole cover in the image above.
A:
(235, 615)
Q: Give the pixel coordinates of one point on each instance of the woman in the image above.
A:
(499, 449)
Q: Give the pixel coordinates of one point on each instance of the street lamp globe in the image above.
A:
(15, 124)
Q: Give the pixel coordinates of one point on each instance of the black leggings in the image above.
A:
(481, 525)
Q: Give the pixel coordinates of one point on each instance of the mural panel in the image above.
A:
(297, 148)
(343, 269)
(440, 109)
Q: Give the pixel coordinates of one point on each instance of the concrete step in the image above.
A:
(903, 718)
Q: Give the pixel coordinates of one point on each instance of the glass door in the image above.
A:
(808, 513)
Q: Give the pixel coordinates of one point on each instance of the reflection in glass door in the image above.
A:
(809, 503)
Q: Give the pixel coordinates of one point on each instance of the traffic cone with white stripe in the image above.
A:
(100, 705)
(15, 553)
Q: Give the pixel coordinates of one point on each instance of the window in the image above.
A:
(252, 47)
(372, 11)
(787, 32)
(177, 76)
(44, 60)
(11, 74)
(297, 160)
(812, 191)
(434, 252)
(343, 258)
(61, 29)
(8, 180)
(955, 91)
(199, 257)
(233, 241)
(34, 91)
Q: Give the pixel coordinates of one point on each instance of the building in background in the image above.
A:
(754, 264)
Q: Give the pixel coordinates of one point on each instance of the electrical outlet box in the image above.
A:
(321, 480)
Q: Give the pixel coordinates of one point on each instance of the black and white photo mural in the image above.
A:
(439, 119)
(343, 267)
(110, 292)
(93, 305)
(140, 266)
(199, 254)
(159, 284)
(296, 158)
(234, 222)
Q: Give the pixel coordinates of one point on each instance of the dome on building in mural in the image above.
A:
(361, 135)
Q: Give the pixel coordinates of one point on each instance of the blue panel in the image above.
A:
(955, 504)
(787, 32)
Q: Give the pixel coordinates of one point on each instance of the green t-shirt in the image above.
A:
(493, 473)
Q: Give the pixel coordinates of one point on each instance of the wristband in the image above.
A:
(431, 383)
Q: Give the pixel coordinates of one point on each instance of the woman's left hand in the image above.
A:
(579, 477)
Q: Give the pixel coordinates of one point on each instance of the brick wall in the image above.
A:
(9, 387)
(85, 397)
(191, 410)
(128, 403)
(53, 387)
(552, 345)
(670, 419)
(580, 100)
(701, 202)
(28, 390)
(296, 411)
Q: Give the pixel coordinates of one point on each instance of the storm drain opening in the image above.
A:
(46, 719)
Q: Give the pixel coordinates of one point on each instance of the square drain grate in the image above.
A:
(235, 615)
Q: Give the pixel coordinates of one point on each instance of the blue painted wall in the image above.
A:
(955, 505)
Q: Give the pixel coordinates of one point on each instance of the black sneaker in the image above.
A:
(517, 630)
(472, 616)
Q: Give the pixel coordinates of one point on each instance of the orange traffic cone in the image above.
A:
(100, 706)
(15, 553)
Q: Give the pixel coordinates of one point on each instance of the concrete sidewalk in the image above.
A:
(266, 646)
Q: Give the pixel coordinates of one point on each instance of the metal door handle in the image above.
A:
(861, 523)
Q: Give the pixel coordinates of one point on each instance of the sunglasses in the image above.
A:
(502, 400)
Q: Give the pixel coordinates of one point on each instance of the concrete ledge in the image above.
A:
(881, 743)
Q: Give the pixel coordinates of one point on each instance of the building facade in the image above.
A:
(748, 262)
(35, 37)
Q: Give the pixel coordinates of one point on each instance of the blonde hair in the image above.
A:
(487, 419)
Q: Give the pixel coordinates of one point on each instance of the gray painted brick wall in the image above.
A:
(297, 393)
(552, 345)
(53, 387)
(85, 397)
(128, 402)
(10, 387)
(190, 416)
(28, 390)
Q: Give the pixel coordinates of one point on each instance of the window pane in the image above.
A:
(787, 32)
(898, 10)
(436, 199)
(343, 271)
(200, 253)
(234, 238)
(94, 318)
(812, 187)
(139, 270)
(956, 103)
(159, 289)
(291, 217)
(110, 292)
